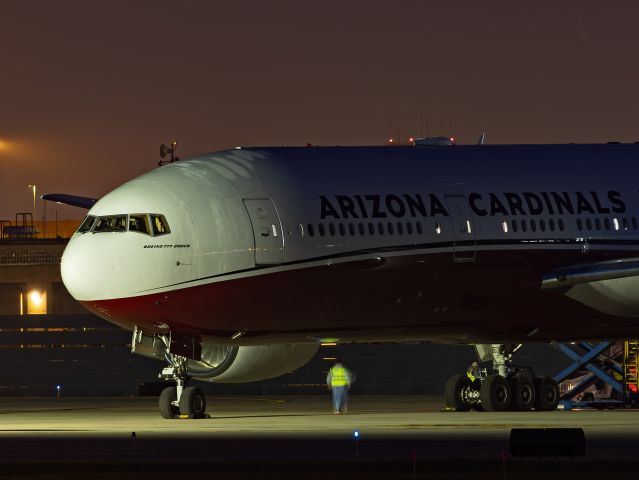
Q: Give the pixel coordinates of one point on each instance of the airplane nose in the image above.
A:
(85, 268)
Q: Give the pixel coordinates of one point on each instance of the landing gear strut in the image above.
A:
(180, 400)
(509, 388)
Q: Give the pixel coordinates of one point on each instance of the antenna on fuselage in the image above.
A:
(164, 151)
(482, 137)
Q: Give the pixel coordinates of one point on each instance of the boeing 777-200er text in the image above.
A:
(234, 266)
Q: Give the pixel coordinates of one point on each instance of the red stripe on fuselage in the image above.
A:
(495, 297)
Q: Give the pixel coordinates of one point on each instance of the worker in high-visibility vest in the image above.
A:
(339, 380)
(473, 371)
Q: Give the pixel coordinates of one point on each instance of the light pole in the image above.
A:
(33, 187)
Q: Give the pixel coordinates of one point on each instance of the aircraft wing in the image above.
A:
(73, 200)
(590, 272)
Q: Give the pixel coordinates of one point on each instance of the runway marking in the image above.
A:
(498, 426)
(42, 430)
(55, 410)
(245, 400)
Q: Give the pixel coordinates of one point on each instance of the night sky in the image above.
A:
(90, 89)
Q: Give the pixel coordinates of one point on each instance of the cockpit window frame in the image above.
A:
(121, 218)
(87, 224)
(147, 223)
(158, 217)
(156, 224)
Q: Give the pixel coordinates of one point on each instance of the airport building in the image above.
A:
(50, 345)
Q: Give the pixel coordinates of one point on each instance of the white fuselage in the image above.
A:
(424, 237)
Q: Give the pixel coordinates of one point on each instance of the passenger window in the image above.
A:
(607, 223)
(115, 223)
(160, 226)
(87, 224)
(400, 228)
(351, 229)
(580, 225)
(371, 228)
(597, 223)
(542, 225)
(380, 228)
(514, 224)
(362, 230)
(321, 229)
(342, 229)
(139, 223)
(409, 228)
(331, 229)
(551, 224)
(418, 227)
(560, 224)
(311, 229)
(390, 228)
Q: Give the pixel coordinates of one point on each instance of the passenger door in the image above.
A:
(463, 228)
(267, 231)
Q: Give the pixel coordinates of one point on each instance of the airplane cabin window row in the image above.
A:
(607, 224)
(533, 225)
(550, 225)
(370, 228)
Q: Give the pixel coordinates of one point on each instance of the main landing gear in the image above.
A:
(180, 401)
(510, 388)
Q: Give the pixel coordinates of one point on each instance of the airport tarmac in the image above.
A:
(283, 436)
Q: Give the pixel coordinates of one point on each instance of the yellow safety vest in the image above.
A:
(339, 377)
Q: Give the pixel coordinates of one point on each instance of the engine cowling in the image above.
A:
(224, 364)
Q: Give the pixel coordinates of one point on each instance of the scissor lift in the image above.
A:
(614, 363)
(630, 367)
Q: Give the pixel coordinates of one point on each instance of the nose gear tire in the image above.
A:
(167, 397)
(193, 402)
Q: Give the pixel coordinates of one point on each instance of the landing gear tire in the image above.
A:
(523, 392)
(495, 394)
(193, 402)
(454, 393)
(546, 394)
(167, 397)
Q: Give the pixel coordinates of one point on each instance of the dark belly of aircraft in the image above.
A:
(494, 299)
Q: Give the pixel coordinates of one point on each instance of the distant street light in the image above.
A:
(33, 187)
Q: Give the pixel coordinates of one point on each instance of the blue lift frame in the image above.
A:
(588, 361)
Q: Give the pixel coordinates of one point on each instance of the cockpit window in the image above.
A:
(159, 224)
(87, 224)
(147, 223)
(139, 222)
(115, 223)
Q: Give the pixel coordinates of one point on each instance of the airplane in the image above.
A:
(234, 266)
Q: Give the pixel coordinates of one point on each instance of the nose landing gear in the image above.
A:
(180, 401)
